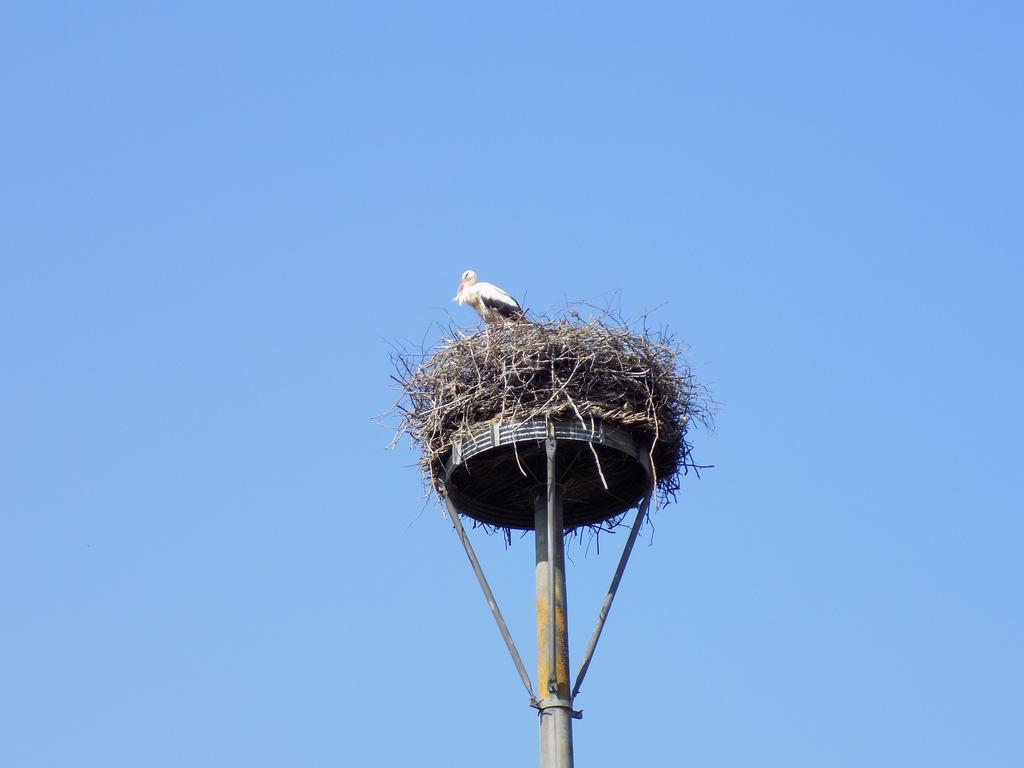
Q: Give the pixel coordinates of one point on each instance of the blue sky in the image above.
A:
(217, 219)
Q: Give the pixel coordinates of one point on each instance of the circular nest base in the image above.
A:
(618, 402)
(496, 475)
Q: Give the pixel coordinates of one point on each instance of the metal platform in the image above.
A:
(496, 474)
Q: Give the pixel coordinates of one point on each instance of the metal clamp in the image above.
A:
(556, 703)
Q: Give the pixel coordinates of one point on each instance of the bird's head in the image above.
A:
(468, 278)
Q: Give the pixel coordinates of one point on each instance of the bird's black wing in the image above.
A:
(506, 308)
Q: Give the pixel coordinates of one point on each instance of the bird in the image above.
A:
(490, 302)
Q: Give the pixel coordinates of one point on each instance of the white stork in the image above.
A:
(489, 301)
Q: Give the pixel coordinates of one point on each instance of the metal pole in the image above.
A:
(553, 527)
(555, 707)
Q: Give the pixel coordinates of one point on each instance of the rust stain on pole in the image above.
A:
(561, 675)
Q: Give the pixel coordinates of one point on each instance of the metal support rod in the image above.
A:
(556, 713)
(610, 596)
(453, 513)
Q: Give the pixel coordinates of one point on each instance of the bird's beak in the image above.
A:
(459, 292)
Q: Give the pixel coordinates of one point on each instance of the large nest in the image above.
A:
(587, 371)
